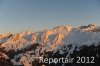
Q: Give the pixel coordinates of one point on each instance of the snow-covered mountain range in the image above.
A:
(62, 41)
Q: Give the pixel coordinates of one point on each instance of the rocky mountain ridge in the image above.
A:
(64, 41)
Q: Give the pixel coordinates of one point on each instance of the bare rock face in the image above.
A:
(88, 28)
(3, 36)
(33, 39)
(45, 36)
(4, 60)
(58, 38)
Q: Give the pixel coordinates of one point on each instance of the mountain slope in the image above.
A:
(62, 41)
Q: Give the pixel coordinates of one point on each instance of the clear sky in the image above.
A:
(35, 15)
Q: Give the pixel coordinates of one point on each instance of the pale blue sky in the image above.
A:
(34, 15)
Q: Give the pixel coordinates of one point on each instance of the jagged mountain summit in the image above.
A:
(65, 41)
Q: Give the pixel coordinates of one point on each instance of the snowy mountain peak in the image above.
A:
(26, 32)
(2, 36)
(63, 28)
(23, 47)
(89, 27)
(56, 36)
